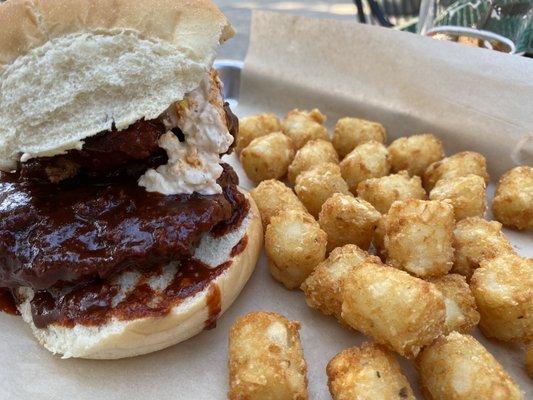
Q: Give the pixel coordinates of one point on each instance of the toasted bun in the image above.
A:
(119, 339)
(72, 68)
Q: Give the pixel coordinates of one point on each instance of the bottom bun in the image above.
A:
(119, 338)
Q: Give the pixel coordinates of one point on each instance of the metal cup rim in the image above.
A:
(476, 33)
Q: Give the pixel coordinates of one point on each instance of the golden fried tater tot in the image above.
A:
(303, 126)
(513, 202)
(309, 156)
(382, 192)
(466, 193)
(415, 153)
(418, 237)
(368, 160)
(255, 126)
(323, 288)
(266, 360)
(347, 219)
(458, 367)
(460, 164)
(398, 310)
(351, 132)
(368, 372)
(476, 239)
(461, 312)
(503, 288)
(294, 244)
(267, 157)
(315, 186)
(273, 196)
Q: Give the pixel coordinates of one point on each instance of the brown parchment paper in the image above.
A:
(473, 99)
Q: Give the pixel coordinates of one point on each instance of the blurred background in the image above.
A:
(502, 25)
(484, 23)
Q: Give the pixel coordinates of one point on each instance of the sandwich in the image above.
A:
(121, 230)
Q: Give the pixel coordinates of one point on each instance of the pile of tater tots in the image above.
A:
(392, 241)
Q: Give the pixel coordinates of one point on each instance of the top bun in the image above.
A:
(70, 69)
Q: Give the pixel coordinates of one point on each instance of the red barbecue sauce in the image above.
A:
(70, 223)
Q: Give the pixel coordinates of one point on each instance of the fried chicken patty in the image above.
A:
(51, 235)
(109, 154)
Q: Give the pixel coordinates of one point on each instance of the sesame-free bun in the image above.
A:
(128, 338)
(70, 69)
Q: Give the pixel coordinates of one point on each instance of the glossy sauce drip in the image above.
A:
(214, 306)
(7, 302)
(240, 207)
(239, 247)
(91, 300)
(51, 235)
(91, 304)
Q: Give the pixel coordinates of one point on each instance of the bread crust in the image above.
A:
(121, 339)
(28, 24)
(100, 63)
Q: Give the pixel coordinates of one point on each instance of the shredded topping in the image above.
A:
(193, 164)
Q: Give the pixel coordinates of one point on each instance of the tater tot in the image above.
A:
(513, 201)
(369, 372)
(398, 310)
(313, 153)
(503, 289)
(529, 360)
(415, 153)
(323, 288)
(267, 157)
(461, 312)
(368, 160)
(273, 196)
(266, 359)
(351, 132)
(418, 237)
(458, 367)
(303, 126)
(476, 239)
(255, 126)
(382, 192)
(466, 193)
(294, 244)
(347, 219)
(315, 186)
(460, 164)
